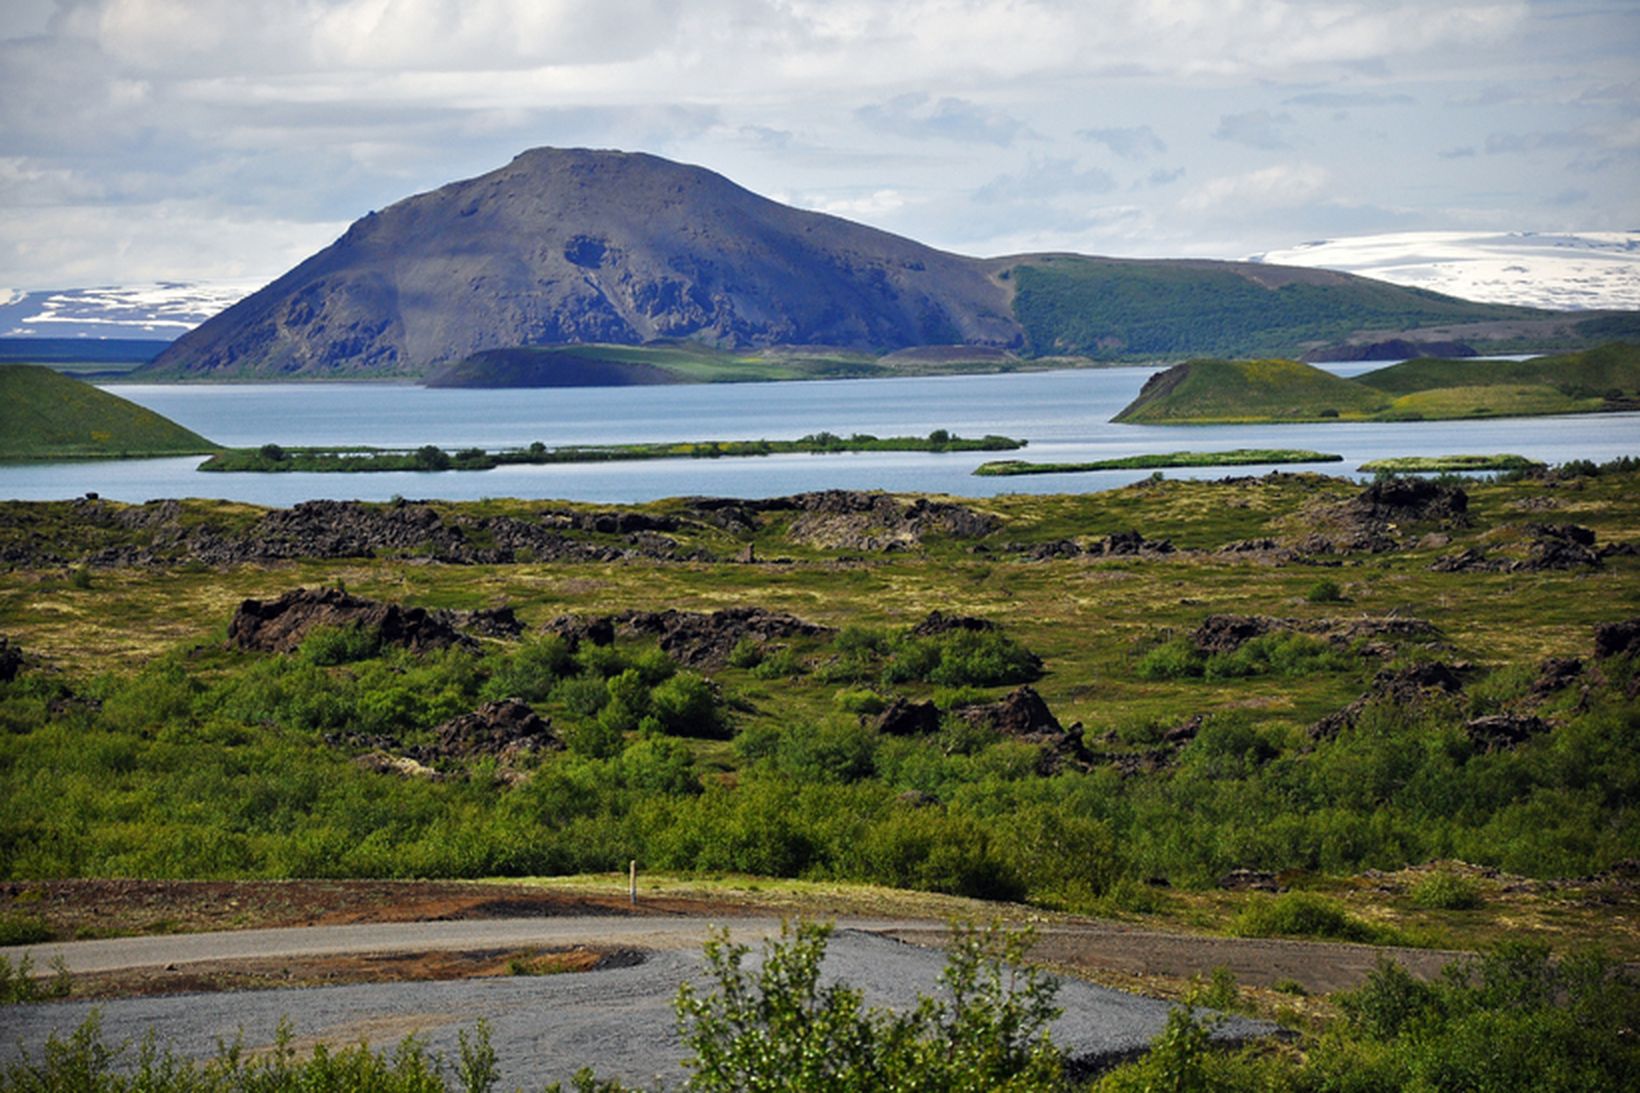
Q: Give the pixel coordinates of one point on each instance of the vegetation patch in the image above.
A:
(1237, 458)
(1438, 464)
(273, 458)
(1205, 392)
(47, 415)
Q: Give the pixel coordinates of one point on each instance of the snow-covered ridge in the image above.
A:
(162, 309)
(1566, 271)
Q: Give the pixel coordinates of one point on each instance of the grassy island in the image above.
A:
(1231, 392)
(1240, 457)
(272, 458)
(47, 415)
(1436, 464)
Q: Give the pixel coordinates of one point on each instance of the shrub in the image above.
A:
(583, 696)
(747, 653)
(685, 706)
(531, 670)
(1325, 590)
(1173, 659)
(859, 701)
(329, 645)
(1306, 914)
(23, 930)
(778, 1028)
(780, 664)
(1446, 891)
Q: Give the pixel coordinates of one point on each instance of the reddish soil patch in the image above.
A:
(74, 909)
(329, 971)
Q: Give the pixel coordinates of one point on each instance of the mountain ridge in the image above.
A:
(572, 246)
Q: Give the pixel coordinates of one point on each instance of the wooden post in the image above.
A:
(632, 883)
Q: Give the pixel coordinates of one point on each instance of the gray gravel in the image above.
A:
(619, 1020)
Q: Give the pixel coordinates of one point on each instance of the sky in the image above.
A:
(145, 140)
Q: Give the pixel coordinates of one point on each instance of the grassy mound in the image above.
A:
(45, 415)
(1218, 392)
(629, 365)
(1227, 392)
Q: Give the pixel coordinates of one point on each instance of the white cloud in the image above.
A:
(1269, 187)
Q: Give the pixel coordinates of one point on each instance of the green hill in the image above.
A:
(630, 365)
(1592, 373)
(1217, 392)
(1114, 308)
(46, 415)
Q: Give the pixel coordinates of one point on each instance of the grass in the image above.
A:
(272, 458)
(47, 415)
(1209, 392)
(1237, 458)
(205, 762)
(1436, 464)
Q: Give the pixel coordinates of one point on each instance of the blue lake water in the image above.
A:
(1064, 415)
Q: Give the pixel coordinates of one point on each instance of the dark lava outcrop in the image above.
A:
(1227, 633)
(504, 728)
(1542, 547)
(1023, 715)
(938, 622)
(698, 640)
(1376, 519)
(11, 660)
(280, 625)
(1615, 639)
(1404, 687)
(1499, 731)
(902, 717)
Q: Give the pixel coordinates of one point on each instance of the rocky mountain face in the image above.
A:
(565, 246)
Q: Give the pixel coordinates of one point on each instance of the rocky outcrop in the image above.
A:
(1616, 639)
(1500, 731)
(11, 660)
(1376, 520)
(1556, 673)
(851, 520)
(1023, 715)
(1226, 633)
(938, 622)
(506, 729)
(1403, 687)
(698, 640)
(903, 717)
(280, 625)
(1541, 547)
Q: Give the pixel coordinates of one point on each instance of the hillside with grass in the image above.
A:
(46, 415)
(1221, 392)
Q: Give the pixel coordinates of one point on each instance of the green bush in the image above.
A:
(1176, 658)
(1446, 891)
(1306, 914)
(583, 696)
(778, 1028)
(1325, 590)
(18, 929)
(685, 705)
(780, 664)
(330, 645)
(859, 701)
(530, 671)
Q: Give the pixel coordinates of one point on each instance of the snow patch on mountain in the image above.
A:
(161, 310)
(1564, 271)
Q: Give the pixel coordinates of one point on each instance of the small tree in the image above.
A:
(271, 453)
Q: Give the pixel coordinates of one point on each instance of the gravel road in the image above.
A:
(618, 1020)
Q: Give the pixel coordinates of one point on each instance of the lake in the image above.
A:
(1064, 415)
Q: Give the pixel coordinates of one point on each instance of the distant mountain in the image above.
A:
(575, 246)
(159, 311)
(1584, 270)
(45, 415)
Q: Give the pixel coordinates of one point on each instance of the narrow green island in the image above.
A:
(1240, 457)
(1257, 392)
(272, 458)
(45, 415)
(1435, 464)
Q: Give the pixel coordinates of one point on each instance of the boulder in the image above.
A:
(590, 629)
(1410, 686)
(1556, 673)
(1500, 731)
(938, 622)
(11, 660)
(505, 728)
(905, 718)
(1615, 639)
(698, 640)
(280, 625)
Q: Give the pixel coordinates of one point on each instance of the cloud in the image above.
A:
(1136, 142)
(1281, 185)
(1464, 152)
(1161, 176)
(1255, 128)
(1344, 100)
(1045, 179)
(919, 117)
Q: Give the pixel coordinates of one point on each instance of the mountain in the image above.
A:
(579, 246)
(45, 415)
(1564, 270)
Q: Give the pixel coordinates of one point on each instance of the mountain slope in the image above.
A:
(578, 246)
(45, 415)
(584, 246)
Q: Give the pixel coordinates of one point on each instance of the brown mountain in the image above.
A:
(562, 247)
